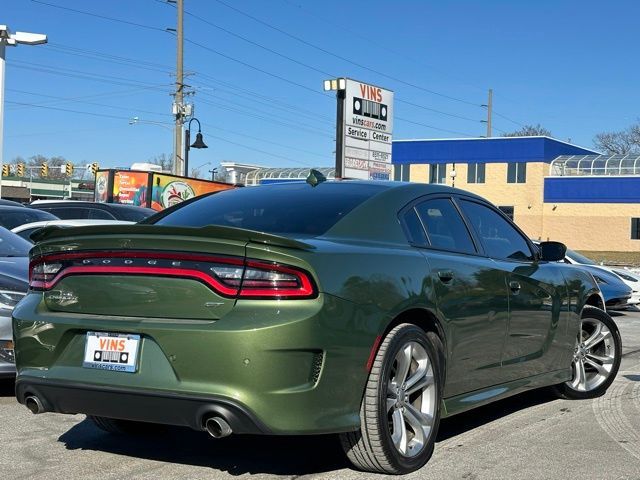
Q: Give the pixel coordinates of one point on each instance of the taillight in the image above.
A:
(266, 280)
(227, 276)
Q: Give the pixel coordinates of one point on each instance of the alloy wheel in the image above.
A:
(593, 357)
(411, 399)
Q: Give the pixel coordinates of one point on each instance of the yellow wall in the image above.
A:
(589, 226)
(592, 226)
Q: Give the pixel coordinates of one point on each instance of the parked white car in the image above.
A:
(28, 228)
(629, 277)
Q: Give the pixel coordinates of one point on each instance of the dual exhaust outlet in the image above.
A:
(217, 427)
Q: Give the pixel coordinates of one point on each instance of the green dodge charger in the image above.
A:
(367, 309)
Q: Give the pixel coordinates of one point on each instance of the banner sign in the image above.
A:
(168, 190)
(368, 131)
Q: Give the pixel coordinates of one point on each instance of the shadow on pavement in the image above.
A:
(237, 455)
(7, 387)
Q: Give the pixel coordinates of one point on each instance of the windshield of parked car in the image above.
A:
(131, 213)
(294, 208)
(11, 245)
(578, 258)
(11, 218)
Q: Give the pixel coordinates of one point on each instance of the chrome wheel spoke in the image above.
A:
(391, 402)
(420, 384)
(580, 377)
(420, 422)
(599, 367)
(399, 436)
(404, 363)
(599, 358)
(600, 334)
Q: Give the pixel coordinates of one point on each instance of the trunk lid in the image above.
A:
(145, 270)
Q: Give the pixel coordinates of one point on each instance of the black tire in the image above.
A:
(125, 427)
(565, 390)
(371, 448)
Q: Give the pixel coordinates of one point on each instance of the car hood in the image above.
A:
(15, 268)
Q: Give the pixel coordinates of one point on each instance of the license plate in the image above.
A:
(111, 351)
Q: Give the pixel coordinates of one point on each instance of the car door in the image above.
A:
(471, 295)
(538, 312)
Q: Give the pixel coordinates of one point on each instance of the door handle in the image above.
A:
(445, 276)
(514, 286)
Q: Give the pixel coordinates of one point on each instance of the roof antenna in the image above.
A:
(315, 178)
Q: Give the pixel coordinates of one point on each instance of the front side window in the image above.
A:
(445, 227)
(499, 238)
(438, 173)
(475, 172)
(517, 173)
(635, 229)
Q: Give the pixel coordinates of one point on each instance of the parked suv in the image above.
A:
(71, 210)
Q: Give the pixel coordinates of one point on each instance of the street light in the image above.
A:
(12, 40)
(199, 143)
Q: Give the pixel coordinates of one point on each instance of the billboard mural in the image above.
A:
(130, 187)
(168, 190)
(102, 186)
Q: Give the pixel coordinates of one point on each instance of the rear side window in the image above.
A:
(499, 238)
(294, 208)
(413, 227)
(445, 227)
(67, 213)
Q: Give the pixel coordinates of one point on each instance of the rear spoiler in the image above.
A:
(210, 231)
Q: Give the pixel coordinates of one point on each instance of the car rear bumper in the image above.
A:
(137, 404)
(294, 367)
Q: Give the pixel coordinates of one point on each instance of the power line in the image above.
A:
(104, 17)
(76, 100)
(93, 114)
(433, 128)
(508, 119)
(340, 57)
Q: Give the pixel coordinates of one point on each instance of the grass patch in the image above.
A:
(631, 259)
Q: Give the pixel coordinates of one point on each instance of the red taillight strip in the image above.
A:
(305, 290)
(161, 272)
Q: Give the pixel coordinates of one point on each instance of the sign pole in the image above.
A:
(341, 95)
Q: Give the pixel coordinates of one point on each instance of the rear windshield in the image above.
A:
(295, 208)
(132, 213)
(14, 217)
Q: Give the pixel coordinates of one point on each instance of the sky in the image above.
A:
(256, 70)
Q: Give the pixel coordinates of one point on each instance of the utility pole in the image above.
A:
(12, 39)
(489, 108)
(178, 107)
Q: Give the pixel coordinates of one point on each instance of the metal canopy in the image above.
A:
(592, 165)
(254, 177)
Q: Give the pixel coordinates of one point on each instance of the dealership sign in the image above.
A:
(368, 131)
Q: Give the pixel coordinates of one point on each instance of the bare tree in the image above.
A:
(530, 131)
(164, 160)
(619, 143)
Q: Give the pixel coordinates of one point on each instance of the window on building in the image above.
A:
(516, 173)
(635, 229)
(401, 173)
(475, 172)
(438, 173)
(508, 211)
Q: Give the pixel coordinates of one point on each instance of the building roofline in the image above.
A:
(489, 138)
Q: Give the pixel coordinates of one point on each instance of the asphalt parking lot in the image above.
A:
(529, 436)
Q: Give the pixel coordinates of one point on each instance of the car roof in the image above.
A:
(69, 223)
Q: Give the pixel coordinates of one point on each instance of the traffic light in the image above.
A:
(68, 169)
(5, 170)
(94, 167)
(44, 170)
(20, 169)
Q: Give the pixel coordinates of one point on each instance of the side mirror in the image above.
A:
(552, 251)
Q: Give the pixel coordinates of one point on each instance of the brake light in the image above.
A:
(227, 276)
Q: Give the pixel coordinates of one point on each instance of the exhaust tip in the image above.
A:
(217, 427)
(34, 404)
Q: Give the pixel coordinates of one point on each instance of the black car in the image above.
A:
(11, 217)
(71, 210)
